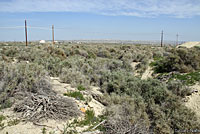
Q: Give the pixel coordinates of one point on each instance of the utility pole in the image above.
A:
(53, 34)
(177, 40)
(161, 39)
(26, 33)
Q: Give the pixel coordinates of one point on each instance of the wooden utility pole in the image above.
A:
(53, 34)
(26, 33)
(161, 39)
(177, 40)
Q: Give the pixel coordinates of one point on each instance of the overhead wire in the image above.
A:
(87, 33)
(13, 27)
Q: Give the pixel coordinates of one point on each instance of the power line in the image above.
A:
(41, 28)
(14, 27)
(52, 28)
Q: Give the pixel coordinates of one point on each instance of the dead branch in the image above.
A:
(37, 107)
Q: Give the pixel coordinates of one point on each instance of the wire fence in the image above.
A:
(128, 34)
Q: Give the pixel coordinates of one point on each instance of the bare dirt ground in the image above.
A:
(28, 127)
(147, 74)
(189, 44)
(193, 101)
(62, 88)
(133, 65)
(52, 125)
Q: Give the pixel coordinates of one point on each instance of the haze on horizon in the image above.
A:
(100, 19)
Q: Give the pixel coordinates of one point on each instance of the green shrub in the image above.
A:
(20, 80)
(10, 51)
(158, 102)
(81, 88)
(74, 77)
(5, 103)
(76, 95)
(2, 118)
(178, 88)
(13, 122)
(89, 118)
(126, 113)
(189, 78)
(132, 103)
(2, 125)
(91, 55)
(182, 60)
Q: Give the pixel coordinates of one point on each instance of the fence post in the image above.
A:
(26, 33)
(177, 40)
(53, 34)
(161, 39)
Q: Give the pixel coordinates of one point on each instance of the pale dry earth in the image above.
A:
(189, 44)
(193, 101)
(54, 126)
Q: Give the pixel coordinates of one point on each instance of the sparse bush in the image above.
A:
(126, 115)
(181, 60)
(103, 54)
(13, 122)
(153, 94)
(178, 88)
(10, 51)
(189, 78)
(74, 77)
(2, 118)
(142, 66)
(76, 95)
(89, 118)
(2, 125)
(20, 80)
(133, 105)
(81, 88)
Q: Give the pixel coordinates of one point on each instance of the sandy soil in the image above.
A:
(189, 44)
(133, 65)
(62, 88)
(148, 72)
(193, 101)
(51, 125)
(28, 127)
(59, 87)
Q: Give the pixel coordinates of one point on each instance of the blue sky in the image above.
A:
(100, 19)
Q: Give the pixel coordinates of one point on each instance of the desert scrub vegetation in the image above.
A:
(77, 95)
(188, 78)
(20, 80)
(178, 88)
(132, 105)
(2, 125)
(148, 100)
(182, 60)
(30, 85)
(179, 64)
(90, 121)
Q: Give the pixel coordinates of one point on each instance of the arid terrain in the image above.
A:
(96, 88)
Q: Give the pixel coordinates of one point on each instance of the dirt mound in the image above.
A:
(189, 44)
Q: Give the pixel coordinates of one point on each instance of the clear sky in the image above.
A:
(100, 19)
